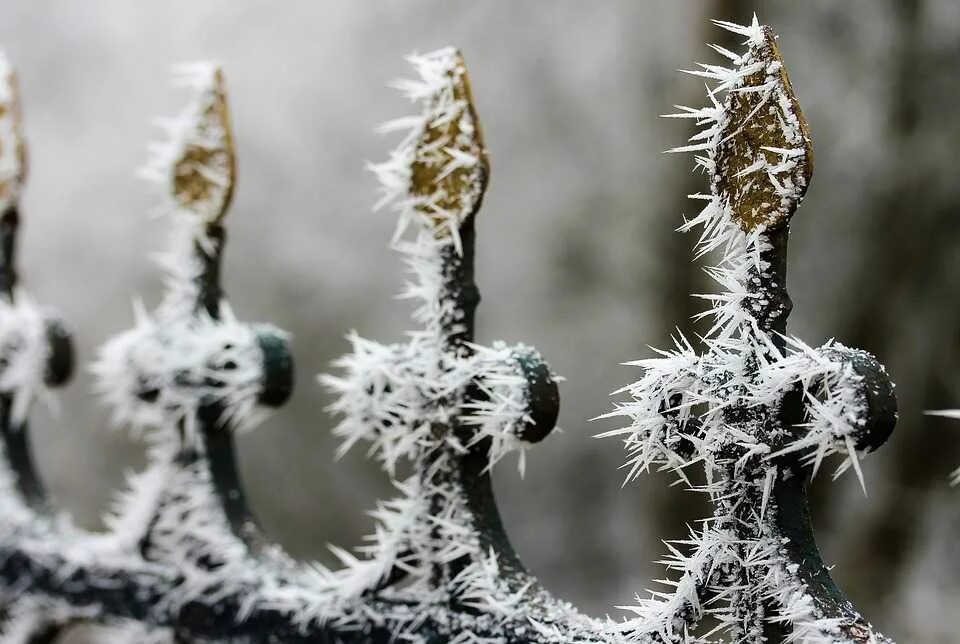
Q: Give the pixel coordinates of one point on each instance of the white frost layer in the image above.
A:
(440, 73)
(24, 352)
(159, 373)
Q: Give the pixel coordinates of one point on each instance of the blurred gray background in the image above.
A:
(576, 249)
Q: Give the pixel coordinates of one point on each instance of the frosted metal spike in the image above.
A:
(203, 164)
(449, 168)
(13, 148)
(764, 132)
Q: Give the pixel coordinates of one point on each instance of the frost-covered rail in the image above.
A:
(183, 560)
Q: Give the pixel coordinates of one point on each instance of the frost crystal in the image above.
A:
(755, 407)
(20, 381)
(24, 352)
(23, 341)
(399, 396)
(158, 374)
(437, 175)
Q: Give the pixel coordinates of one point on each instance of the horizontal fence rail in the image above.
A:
(183, 559)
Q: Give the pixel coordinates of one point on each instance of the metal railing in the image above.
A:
(183, 558)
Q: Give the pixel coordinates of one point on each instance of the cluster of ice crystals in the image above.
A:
(397, 396)
(128, 632)
(24, 345)
(159, 373)
(406, 398)
(720, 409)
(24, 353)
(27, 615)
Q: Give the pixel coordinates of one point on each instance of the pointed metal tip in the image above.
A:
(203, 170)
(763, 114)
(450, 168)
(13, 146)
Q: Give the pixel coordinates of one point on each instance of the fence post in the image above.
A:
(758, 409)
(445, 403)
(36, 354)
(35, 349)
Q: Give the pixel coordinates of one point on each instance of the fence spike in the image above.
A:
(36, 351)
(450, 163)
(438, 174)
(759, 410)
(13, 147)
(447, 404)
(36, 354)
(191, 375)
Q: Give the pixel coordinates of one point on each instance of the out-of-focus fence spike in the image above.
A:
(13, 147)
(36, 354)
(196, 164)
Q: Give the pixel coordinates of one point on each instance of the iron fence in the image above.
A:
(183, 558)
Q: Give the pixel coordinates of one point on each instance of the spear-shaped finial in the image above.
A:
(197, 164)
(438, 174)
(450, 167)
(764, 158)
(192, 351)
(35, 349)
(13, 148)
(190, 372)
(755, 145)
